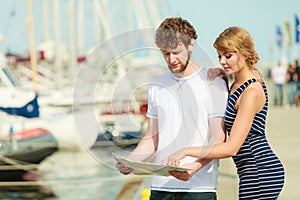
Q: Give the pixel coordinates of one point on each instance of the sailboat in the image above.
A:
(77, 119)
(21, 152)
(56, 117)
(125, 64)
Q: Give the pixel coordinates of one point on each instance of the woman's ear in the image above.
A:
(242, 58)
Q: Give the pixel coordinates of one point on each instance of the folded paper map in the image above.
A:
(146, 168)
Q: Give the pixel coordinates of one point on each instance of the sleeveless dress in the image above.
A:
(260, 172)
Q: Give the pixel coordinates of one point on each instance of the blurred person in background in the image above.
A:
(291, 84)
(297, 68)
(278, 75)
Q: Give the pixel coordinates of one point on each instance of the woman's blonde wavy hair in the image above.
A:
(237, 39)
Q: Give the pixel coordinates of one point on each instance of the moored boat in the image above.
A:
(21, 152)
(123, 126)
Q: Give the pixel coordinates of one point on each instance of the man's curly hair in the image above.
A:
(172, 31)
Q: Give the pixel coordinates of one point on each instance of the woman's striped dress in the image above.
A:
(260, 172)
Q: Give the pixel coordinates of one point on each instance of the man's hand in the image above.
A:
(185, 176)
(123, 169)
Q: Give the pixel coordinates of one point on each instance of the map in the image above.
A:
(146, 168)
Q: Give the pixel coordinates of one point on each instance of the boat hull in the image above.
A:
(22, 152)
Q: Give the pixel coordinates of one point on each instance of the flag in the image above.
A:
(287, 33)
(279, 36)
(297, 29)
(30, 110)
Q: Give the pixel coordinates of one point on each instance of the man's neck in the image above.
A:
(190, 69)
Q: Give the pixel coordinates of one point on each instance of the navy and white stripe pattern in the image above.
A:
(260, 172)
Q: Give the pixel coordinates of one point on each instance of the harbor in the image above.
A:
(73, 80)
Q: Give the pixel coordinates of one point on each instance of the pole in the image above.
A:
(31, 42)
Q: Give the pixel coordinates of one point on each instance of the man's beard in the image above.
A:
(182, 68)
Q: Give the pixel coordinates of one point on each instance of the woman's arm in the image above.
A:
(217, 135)
(248, 105)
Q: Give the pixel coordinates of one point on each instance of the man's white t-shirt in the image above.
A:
(279, 74)
(183, 107)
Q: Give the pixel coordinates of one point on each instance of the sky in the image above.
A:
(258, 17)
(210, 17)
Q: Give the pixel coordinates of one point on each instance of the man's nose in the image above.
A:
(172, 57)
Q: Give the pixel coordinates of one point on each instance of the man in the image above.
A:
(297, 68)
(278, 74)
(184, 109)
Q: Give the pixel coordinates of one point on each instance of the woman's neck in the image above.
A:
(243, 75)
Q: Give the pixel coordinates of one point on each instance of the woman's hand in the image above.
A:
(174, 159)
(212, 73)
(258, 76)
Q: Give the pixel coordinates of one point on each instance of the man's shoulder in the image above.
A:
(203, 70)
(217, 81)
(161, 78)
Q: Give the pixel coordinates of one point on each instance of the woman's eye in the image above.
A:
(228, 56)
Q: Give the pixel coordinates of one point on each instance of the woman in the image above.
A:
(260, 172)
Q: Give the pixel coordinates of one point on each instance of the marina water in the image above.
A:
(72, 175)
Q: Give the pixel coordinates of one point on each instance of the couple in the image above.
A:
(186, 124)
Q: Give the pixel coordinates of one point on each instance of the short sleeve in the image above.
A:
(218, 97)
(152, 106)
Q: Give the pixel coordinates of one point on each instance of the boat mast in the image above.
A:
(58, 50)
(31, 42)
(45, 20)
(80, 26)
(71, 35)
(98, 33)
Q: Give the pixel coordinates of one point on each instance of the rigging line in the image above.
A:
(17, 163)
(34, 145)
(18, 167)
